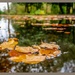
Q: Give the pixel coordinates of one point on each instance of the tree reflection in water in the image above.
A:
(33, 35)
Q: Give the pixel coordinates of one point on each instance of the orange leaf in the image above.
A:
(18, 59)
(15, 53)
(49, 53)
(46, 52)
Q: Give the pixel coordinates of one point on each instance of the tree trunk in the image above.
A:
(8, 7)
(68, 9)
(61, 9)
(8, 20)
(26, 8)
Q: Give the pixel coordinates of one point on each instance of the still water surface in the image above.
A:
(63, 63)
(4, 30)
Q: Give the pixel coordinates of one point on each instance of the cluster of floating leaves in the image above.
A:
(30, 55)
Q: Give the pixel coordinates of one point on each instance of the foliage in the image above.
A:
(1, 12)
(29, 35)
(40, 8)
(55, 9)
(68, 50)
(39, 12)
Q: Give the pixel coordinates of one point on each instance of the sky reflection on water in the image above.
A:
(4, 34)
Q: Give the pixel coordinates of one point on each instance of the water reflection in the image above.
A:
(68, 67)
(63, 63)
(5, 26)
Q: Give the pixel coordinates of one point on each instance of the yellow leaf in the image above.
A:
(25, 49)
(15, 39)
(18, 59)
(10, 44)
(33, 59)
(29, 59)
(36, 46)
(49, 46)
(56, 52)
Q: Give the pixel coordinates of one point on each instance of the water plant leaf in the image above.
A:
(13, 53)
(33, 59)
(49, 46)
(10, 44)
(18, 58)
(29, 59)
(26, 49)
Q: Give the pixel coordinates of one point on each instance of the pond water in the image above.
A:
(63, 63)
(4, 29)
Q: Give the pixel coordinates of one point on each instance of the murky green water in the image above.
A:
(29, 35)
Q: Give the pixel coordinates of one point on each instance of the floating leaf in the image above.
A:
(26, 49)
(0, 48)
(33, 59)
(46, 51)
(10, 39)
(67, 32)
(29, 59)
(56, 52)
(10, 44)
(49, 53)
(36, 47)
(15, 53)
(31, 55)
(59, 31)
(18, 58)
(49, 46)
